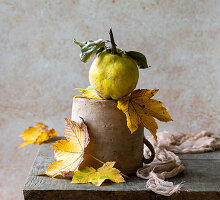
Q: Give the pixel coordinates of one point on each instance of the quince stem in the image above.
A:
(113, 49)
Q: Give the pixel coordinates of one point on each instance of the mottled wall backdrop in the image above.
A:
(40, 66)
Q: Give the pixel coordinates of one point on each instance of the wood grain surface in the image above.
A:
(201, 180)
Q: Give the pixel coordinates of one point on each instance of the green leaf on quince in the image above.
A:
(139, 58)
(100, 50)
(90, 48)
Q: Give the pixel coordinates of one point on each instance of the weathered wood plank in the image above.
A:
(200, 156)
(201, 180)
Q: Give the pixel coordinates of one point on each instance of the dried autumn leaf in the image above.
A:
(140, 109)
(89, 93)
(97, 177)
(37, 135)
(69, 153)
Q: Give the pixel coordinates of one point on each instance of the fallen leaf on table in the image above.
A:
(89, 93)
(69, 153)
(140, 109)
(37, 135)
(97, 177)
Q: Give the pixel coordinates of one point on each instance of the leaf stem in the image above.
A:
(95, 158)
(102, 162)
(113, 49)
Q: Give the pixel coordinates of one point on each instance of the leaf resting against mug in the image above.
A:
(70, 154)
(140, 109)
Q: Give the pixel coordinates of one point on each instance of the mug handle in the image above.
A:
(151, 148)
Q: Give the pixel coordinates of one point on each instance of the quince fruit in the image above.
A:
(113, 75)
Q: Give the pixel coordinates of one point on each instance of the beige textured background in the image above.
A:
(40, 67)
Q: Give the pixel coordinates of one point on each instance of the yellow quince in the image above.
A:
(113, 75)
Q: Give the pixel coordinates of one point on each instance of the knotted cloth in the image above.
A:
(166, 164)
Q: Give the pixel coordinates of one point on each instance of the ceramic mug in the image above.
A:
(110, 138)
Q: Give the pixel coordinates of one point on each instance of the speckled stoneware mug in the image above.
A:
(110, 138)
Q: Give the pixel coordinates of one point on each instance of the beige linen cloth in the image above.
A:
(166, 164)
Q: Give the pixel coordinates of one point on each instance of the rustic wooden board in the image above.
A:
(201, 180)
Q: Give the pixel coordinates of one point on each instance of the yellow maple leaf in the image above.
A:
(140, 109)
(97, 177)
(89, 93)
(37, 135)
(69, 153)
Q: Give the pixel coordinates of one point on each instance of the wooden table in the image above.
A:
(201, 180)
